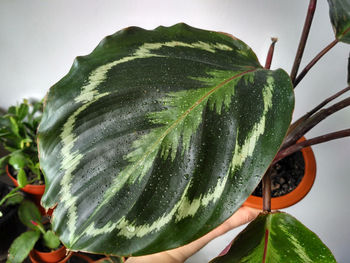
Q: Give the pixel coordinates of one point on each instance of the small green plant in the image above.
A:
(18, 136)
(37, 232)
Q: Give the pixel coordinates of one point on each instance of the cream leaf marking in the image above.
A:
(299, 248)
(125, 226)
(88, 95)
(242, 152)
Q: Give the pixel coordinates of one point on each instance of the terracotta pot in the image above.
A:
(57, 256)
(36, 192)
(298, 193)
(29, 188)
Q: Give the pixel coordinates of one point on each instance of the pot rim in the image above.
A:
(29, 188)
(60, 254)
(298, 193)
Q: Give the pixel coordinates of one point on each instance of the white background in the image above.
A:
(40, 39)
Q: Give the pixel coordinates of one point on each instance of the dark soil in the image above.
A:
(30, 176)
(285, 175)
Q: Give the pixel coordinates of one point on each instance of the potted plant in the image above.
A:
(157, 137)
(39, 243)
(18, 136)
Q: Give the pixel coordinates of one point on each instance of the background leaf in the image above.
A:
(339, 11)
(157, 137)
(276, 237)
(18, 160)
(28, 212)
(22, 245)
(50, 240)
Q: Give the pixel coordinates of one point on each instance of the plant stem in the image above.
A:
(314, 61)
(302, 119)
(266, 184)
(320, 139)
(270, 53)
(10, 194)
(303, 39)
(311, 122)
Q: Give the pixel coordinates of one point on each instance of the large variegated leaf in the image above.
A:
(339, 11)
(157, 137)
(276, 238)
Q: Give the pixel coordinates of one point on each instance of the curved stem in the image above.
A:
(311, 122)
(303, 39)
(320, 139)
(314, 61)
(266, 183)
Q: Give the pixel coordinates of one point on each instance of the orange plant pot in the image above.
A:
(57, 256)
(29, 188)
(36, 191)
(298, 193)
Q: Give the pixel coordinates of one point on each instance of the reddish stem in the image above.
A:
(266, 184)
(314, 61)
(303, 39)
(270, 53)
(320, 139)
(311, 122)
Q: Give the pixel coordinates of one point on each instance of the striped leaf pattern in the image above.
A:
(157, 137)
(275, 238)
(339, 11)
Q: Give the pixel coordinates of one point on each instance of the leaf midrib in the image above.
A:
(187, 112)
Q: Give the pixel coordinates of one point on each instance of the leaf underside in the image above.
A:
(157, 137)
(339, 11)
(275, 238)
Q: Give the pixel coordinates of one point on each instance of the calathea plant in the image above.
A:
(157, 137)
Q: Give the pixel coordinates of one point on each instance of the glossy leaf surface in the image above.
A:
(157, 137)
(276, 238)
(339, 11)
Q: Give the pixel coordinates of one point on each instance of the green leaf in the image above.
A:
(22, 178)
(50, 240)
(18, 160)
(276, 237)
(22, 111)
(157, 137)
(15, 199)
(339, 11)
(21, 246)
(29, 212)
(14, 126)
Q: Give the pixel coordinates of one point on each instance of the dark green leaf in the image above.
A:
(276, 237)
(339, 11)
(22, 245)
(12, 110)
(18, 160)
(51, 240)
(29, 212)
(158, 134)
(22, 111)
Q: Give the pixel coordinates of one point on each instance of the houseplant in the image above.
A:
(18, 136)
(39, 242)
(169, 139)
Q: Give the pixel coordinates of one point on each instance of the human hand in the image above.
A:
(180, 254)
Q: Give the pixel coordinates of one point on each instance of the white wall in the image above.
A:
(39, 40)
